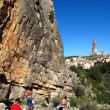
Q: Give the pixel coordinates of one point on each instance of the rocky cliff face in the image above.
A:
(31, 51)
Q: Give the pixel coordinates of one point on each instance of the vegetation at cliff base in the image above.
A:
(99, 78)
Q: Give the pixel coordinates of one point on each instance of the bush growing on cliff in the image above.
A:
(51, 16)
(79, 91)
(73, 103)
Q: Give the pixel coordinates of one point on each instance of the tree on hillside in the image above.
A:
(95, 74)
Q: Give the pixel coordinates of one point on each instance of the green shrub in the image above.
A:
(74, 69)
(88, 107)
(95, 74)
(105, 67)
(77, 70)
(79, 91)
(103, 97)
(51, 16)
(73, 103)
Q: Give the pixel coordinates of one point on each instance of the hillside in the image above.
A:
(93, 87)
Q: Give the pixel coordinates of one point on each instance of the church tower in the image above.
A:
(94, 49)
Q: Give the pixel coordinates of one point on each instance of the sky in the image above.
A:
(82, 21)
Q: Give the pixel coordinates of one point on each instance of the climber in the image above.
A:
(63, 103)
(16, 105)
(29, 100)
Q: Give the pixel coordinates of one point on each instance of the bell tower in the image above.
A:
(94, 49)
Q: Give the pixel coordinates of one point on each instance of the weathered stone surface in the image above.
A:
(31, 51)
(2, 106)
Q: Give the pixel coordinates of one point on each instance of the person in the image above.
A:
(16, 105)
(47, 98)
(63, 103)
(29, 100)
(68, 104)
(15, 99)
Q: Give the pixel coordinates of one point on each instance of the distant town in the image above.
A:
(87, 62)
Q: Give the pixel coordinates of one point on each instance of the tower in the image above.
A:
(94, 49)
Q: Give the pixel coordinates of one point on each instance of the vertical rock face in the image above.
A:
(31, 52)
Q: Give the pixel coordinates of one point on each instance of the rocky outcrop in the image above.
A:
(31, 51)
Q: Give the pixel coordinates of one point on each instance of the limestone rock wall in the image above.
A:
(31, 51)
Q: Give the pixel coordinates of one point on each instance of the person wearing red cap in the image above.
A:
(15, 106)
